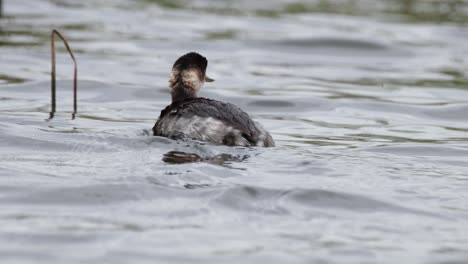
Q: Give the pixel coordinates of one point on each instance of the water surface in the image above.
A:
(367, 104)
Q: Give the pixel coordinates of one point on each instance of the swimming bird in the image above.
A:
(204, 119)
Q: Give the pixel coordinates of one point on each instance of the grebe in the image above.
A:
(189, 116)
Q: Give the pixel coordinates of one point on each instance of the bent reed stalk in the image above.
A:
(53, 82)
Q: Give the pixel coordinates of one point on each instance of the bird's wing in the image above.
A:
(227, 113)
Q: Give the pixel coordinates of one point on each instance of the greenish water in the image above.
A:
(366, 100)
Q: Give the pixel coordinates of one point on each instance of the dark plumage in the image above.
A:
(205, 108)
(203, 118)
(191, 60)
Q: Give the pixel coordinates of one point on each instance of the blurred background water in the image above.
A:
(367, 101)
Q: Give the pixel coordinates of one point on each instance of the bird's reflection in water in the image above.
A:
(180, 157)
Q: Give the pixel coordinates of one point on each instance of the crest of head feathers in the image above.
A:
(191, 60)
(188, 76)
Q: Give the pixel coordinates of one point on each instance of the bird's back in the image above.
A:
(211, 120)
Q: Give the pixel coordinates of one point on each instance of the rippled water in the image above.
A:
(367, 102)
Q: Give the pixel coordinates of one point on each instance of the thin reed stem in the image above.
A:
(53, 75)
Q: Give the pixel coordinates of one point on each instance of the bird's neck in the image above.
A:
(180, 92)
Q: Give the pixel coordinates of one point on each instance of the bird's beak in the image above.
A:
(208, 79)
